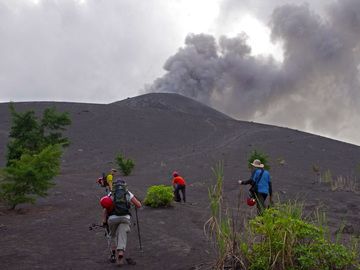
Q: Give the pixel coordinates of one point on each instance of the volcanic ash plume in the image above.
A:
(316, 87)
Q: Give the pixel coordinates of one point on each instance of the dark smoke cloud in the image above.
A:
(316, 87)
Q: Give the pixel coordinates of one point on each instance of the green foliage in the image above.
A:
(159, 196)
(125, 165)
(33, 156)
(260, 156)
(29, 135)
(286, 241)
(220, 226)
(30, 176)
(281, 238)
(53, 122)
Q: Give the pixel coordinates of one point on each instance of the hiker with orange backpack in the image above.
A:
(116, 217)
(179, 184)
(260, 185)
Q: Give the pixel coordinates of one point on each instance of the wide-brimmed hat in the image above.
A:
(257, 164)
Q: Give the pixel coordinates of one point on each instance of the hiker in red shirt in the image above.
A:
(179, 184)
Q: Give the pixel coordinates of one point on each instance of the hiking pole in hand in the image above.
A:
(138, 228)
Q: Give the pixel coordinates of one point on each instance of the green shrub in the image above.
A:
(30, 176)
(260, 156)
(159, 195)
(125, 165)
(286, 241)
(279, 239)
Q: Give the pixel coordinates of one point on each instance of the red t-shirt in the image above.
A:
(179, 180)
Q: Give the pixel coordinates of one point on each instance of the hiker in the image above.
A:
(110, 177)
(103, 182)
(179, 184)
(260, 185)
(117, 218)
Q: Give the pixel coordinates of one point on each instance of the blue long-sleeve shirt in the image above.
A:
(263, 184)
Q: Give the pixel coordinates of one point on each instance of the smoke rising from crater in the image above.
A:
(316, 88)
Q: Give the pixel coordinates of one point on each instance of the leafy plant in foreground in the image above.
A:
(286, 241)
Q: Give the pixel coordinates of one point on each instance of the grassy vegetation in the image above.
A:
(126, 165)
(159, 196)
(281, 238)
(340, 183)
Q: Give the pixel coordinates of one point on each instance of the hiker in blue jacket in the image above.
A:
(260, 185)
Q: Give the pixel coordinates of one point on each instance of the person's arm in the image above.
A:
(270, 192)
(246, 182)
(136, 202)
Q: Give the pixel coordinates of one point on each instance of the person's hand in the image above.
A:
(104, 224)
(240, 182)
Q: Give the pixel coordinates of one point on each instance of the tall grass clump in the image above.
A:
(220, 227)
(340, 183)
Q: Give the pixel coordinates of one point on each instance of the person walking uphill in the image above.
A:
(179, 184)
(110, 177)
(260, 185)
(117, 218)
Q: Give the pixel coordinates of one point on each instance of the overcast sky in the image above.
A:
(101, 51)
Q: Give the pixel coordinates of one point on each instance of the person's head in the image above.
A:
(120, 181)
(256, 164)
(175, 173)
(113, 171)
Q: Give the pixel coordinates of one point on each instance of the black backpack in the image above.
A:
(121, 199)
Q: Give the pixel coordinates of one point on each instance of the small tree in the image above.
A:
(30, 176)
(158, 196)
(30, 135)
(125, 165)
(260, 156)
(33, 156)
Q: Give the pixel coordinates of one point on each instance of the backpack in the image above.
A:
(254, 188)
(121, 199)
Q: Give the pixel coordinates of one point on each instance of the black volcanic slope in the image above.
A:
(162, 133)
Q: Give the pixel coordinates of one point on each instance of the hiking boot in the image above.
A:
(112, 258)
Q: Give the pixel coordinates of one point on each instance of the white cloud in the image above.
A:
(92, 51)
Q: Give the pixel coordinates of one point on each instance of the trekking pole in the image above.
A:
(138, 227)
